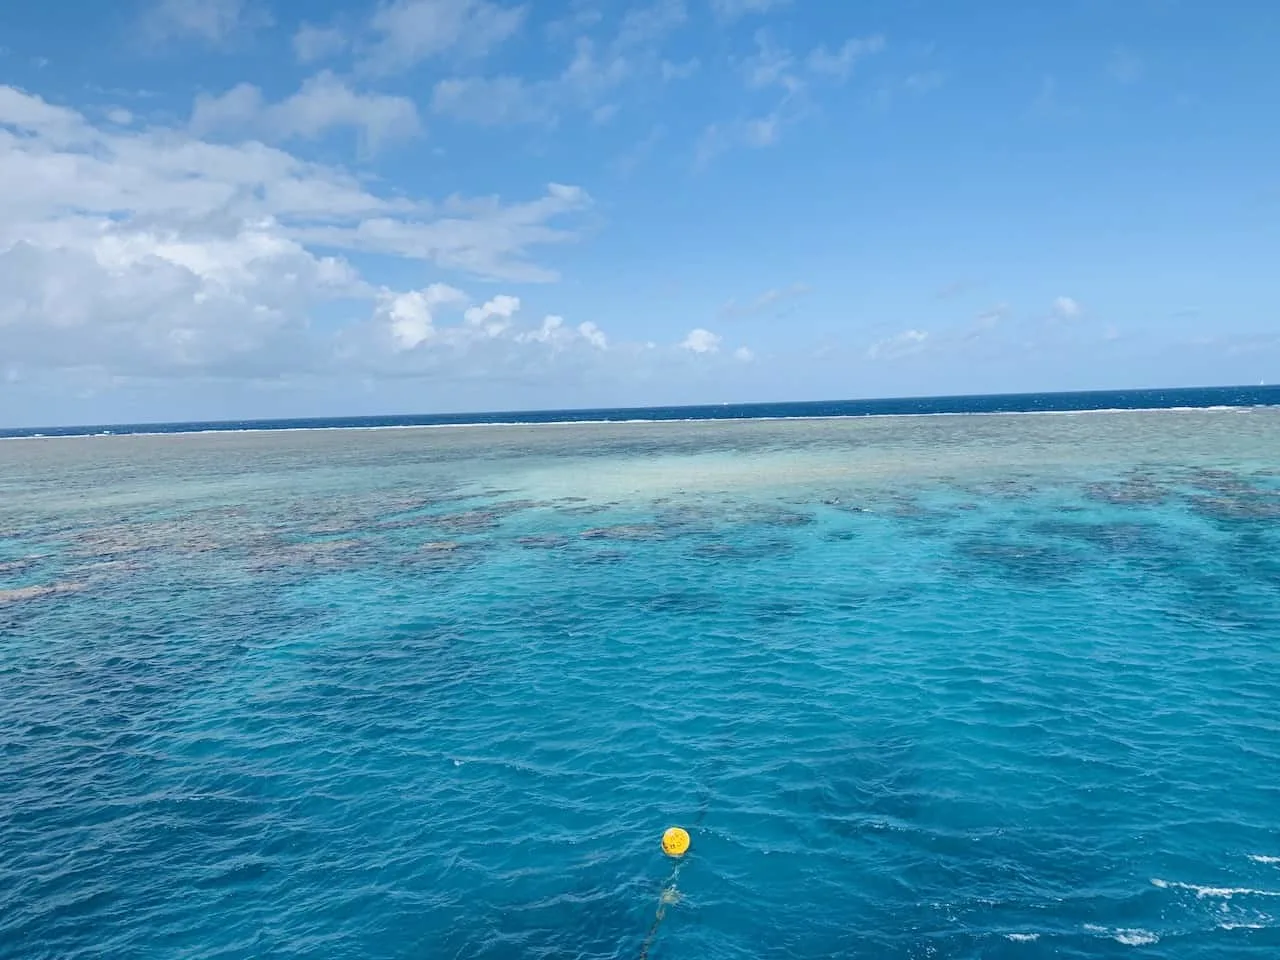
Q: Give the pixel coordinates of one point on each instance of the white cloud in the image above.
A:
(409, 316)
(1064, 308)
(494, 317)
(590, 75)
(150, 252)
(902, 345)
(701, 341)
(840, 63)
(763, 131)
(493, 101)
(717, 138)
(990, 319)
(410, 31)
(558, 335)
(312, 43)
(552, 329)
(588, 82)
(769, 298)
(770, 66)
(322, 103)
(33, 115)
(774, 68)
(743, 355)
(485, 238)
(119, 116)
(733, 9)
(213, 21)
(411, 334)
(679, 71)
(593, 335)
(643, 25)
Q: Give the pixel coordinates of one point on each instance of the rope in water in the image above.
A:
(675, 842)
(667, 898)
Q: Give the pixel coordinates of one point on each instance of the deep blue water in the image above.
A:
(939, 687)
(997, 403)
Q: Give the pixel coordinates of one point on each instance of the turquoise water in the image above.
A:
(999, 686)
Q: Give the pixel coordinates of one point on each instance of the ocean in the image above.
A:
(926, 686)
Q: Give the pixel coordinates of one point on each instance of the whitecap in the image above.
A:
(1022, 937)
(1204, 891)
(1135, 938)
(1263, 858)
(1129, 936)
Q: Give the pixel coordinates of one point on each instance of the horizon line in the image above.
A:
(480, 417)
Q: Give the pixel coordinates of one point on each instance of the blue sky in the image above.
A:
(232, 208)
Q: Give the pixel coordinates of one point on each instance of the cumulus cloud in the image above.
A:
(409, 317)
(494, 317)
(555, 333)
(743, 355)
(593, 335)
(324, 102)
(417, 333)
(150, 252)
(409, 31)
(1064, 308)
(701, 341)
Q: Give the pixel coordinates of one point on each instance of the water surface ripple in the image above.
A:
(920, 688)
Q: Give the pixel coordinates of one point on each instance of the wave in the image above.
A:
(1202, 891)
(1129, 936)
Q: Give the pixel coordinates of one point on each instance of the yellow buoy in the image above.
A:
(675, 842)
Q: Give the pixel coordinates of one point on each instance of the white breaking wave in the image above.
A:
(1129, 936)
(1263, 858)
(1022, 937)
(1135, 938)
(1203, 891)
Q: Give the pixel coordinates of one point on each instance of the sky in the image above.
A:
(220, 209)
